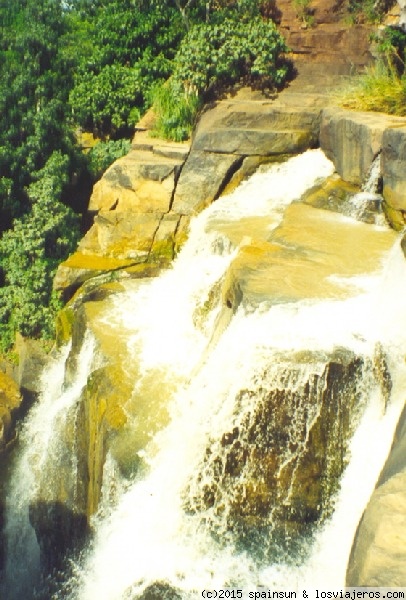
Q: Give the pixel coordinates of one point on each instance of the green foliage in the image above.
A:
(104, 154)
(379, 89)
(391, 45)
(369, 11)
(105, 101)
(220, 53)
(304, 11)
(176, 111)
(131, 49)
(30, 254)
(33, 92)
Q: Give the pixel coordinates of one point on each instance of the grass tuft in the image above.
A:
(379, 89)
(176, 112)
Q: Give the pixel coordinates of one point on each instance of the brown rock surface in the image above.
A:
(394, 169)
(379, 549)
(353, 139)
(10, 401)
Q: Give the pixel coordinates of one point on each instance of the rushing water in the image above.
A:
(40, 442)
(181, 519)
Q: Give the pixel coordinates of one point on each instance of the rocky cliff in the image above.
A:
(142, 208)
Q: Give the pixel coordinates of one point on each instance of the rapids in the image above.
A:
(212, 336)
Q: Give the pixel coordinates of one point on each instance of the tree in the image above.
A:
(31, 252)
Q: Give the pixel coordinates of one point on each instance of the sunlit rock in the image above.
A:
(312, 254)
(137, 182)
(10, 401)
(261, 128)
(379, 550)
(394, 167)
(273, 473)
(352, 140)
(202, 180)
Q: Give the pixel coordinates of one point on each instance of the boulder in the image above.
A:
(158, 589)
(257, 128)
(32, 359)
(394, 174)
(378, 556)
(203, 177)
(266, 483)
(353, 139)
(137, 182)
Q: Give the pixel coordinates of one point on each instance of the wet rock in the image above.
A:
(352, 140)
(159, 590)
(302, 258)
(394, 170)
(32, 360)
(202, 180)
(266, 483)
(10, 403)
(59, 532)
(378, 556)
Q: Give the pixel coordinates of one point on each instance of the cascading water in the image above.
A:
(366, 205)
(269, 379)
(40, 444)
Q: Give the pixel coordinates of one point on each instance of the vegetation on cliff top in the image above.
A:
(97, 65)
(382, 87)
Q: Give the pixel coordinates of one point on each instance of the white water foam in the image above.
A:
(39, 440)
(148, 536)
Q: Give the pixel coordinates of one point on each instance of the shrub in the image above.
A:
(369, 11)
(219, 53)
(391, 46)
(105, 101)
(30, 254)
(101, 156)
(304, 12)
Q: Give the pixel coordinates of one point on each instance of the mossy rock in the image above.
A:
(331, 194)
(278, 469)
(396, 218)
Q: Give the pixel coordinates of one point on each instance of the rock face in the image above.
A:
(134, 227)
(353, 139)
(265, 482)
(10, 401)
(142, 207)
(144, 201)
(394, 169)
(379, 550)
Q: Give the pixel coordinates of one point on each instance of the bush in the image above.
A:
(221, 53)
(30, 254)
(105, 101)
(214, 55)
(391, 46)
(101, 156)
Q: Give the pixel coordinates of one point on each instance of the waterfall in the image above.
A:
(272, 390)
(366, 205)
(40, 444)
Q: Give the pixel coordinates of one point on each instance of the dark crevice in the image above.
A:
(236, 166)
(177, 172)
